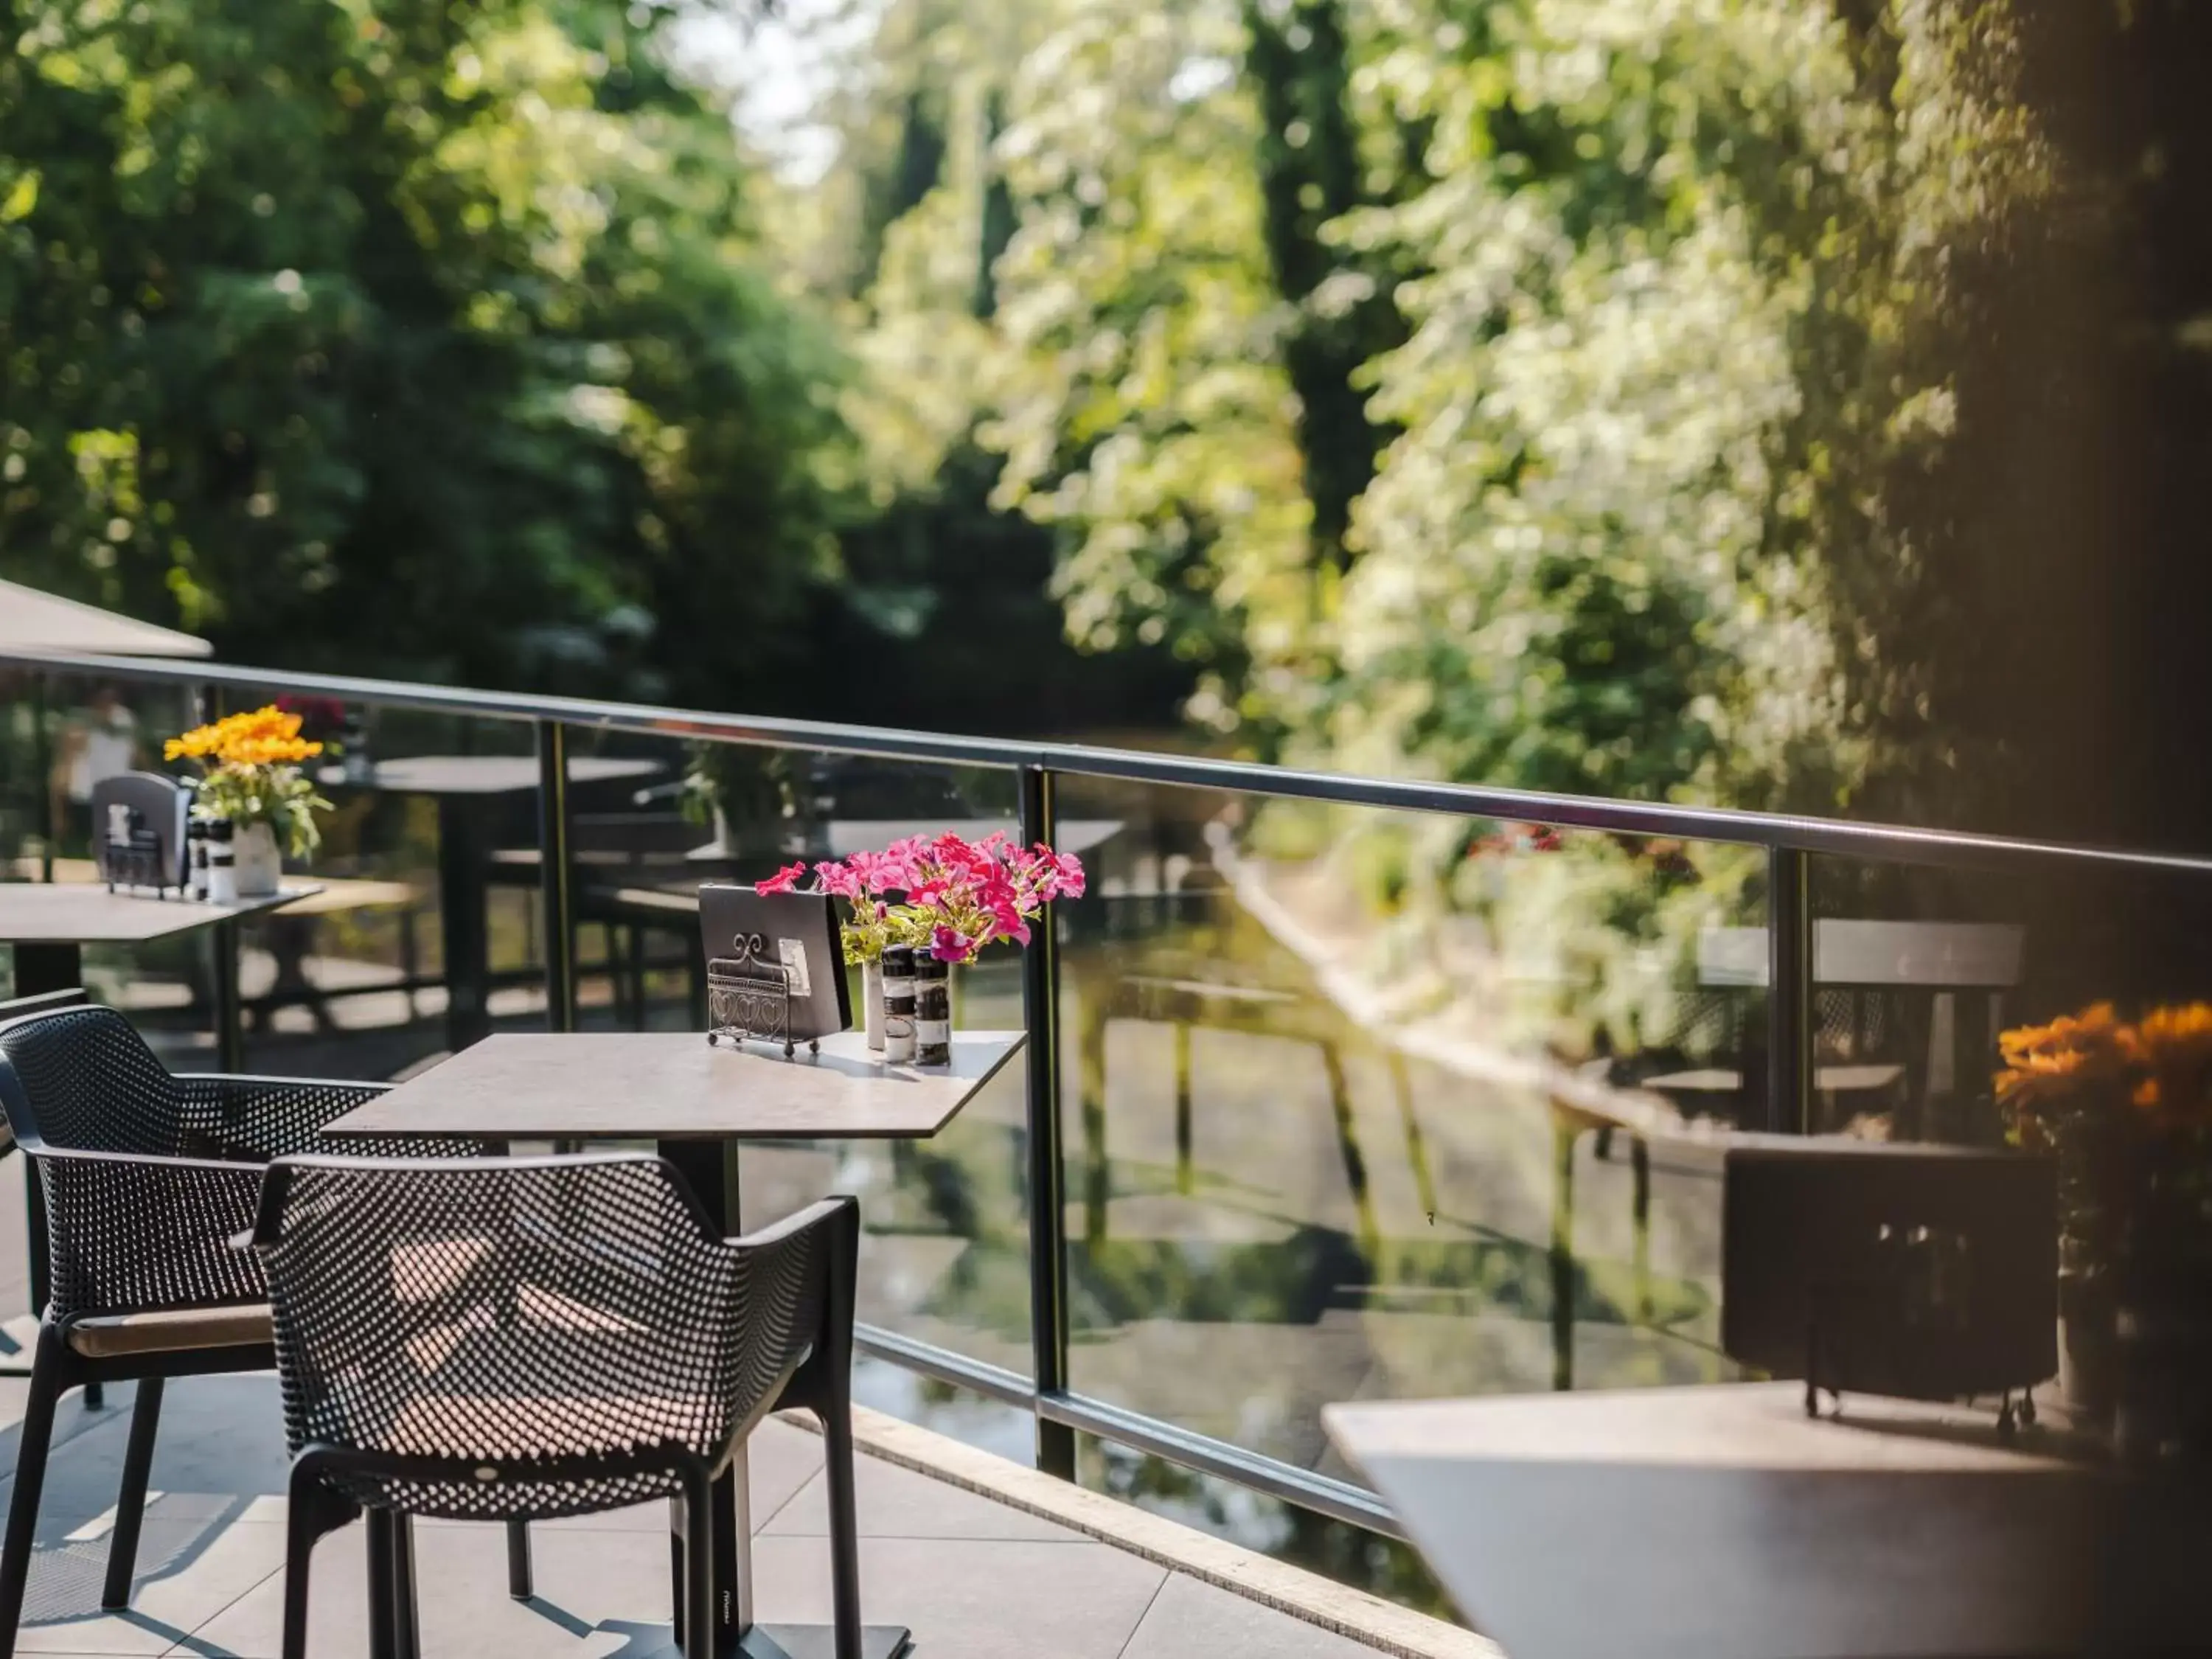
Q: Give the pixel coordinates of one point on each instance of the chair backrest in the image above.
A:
(1929, 956)
(124, 1234)
(515, 1312)
(83, 1078)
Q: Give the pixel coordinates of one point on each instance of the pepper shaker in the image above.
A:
(898, 1003)
(933, 1012)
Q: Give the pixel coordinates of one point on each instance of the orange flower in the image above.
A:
(2053, 1071)
(2172, 1047)
(263, 737)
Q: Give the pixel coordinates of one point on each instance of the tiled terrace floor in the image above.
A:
(972, 1577)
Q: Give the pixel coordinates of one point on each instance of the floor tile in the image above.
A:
(600, 1595)
(221, 1442)
(188, 1572)
(975, 1600)
(1192, 1619)
(897, 1502)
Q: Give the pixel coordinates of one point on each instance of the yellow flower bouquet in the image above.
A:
(249, 774)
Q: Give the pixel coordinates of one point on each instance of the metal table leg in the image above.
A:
(711, 1168)
(461, 900)
(229, 1019)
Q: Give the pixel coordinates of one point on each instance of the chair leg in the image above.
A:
(698, 1609)
(34, 1437)
(302, 1530)
(844, 1525)
(131, 1501)
(383, 1599)
(518, 1560)
(406, 1611)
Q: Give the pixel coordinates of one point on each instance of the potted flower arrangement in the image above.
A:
(2125, 1111)
(250, 777)
(944, 895)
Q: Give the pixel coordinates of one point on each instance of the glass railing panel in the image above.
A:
(427, 932)
(1336, 1104)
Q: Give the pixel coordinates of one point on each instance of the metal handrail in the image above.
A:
(1775, 831)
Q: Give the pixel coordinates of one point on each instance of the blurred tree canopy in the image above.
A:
(405, 336)
(1621, 395)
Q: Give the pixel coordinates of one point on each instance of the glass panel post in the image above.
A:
(1055, 1441)
(554, 883)
(1788, 992)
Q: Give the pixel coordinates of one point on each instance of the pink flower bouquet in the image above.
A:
(946, 894)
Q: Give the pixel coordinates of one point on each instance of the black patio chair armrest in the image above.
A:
(61, 1157)
(250, 1081)
(803, 1264)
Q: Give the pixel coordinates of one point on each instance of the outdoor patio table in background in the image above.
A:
(697, 1103)
(49, 923)
(465, 786)
(1721, 1523)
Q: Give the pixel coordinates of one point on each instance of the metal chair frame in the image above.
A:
(137, 1231)
(710, 1335)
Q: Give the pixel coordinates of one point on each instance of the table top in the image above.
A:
(1721, 1523)
(676, 1086)
(71, 912)
(479, 774)
(329, 896)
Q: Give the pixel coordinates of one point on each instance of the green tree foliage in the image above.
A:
(403, 336)
(1563, 392)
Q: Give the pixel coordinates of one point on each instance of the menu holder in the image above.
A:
(774, 966)
(138, 821)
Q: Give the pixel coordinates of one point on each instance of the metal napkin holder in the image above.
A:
(748, 995)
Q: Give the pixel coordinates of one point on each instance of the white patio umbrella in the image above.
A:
(32, 621)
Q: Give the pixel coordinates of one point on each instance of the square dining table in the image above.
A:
(697, 1103)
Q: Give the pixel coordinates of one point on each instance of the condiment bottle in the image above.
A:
(933, 1012)
(898, 1003)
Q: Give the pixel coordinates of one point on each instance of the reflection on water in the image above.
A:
(1270, 1210)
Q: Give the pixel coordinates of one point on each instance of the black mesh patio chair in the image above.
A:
(524, 1338)
(144, 1178)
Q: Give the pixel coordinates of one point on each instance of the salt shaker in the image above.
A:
(898, 1003)
(196, 856)
(221, 862)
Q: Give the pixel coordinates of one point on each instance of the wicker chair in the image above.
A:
(146, 1178)
(495, 1340)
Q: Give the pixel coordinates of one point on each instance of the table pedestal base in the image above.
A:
(820, 1642)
